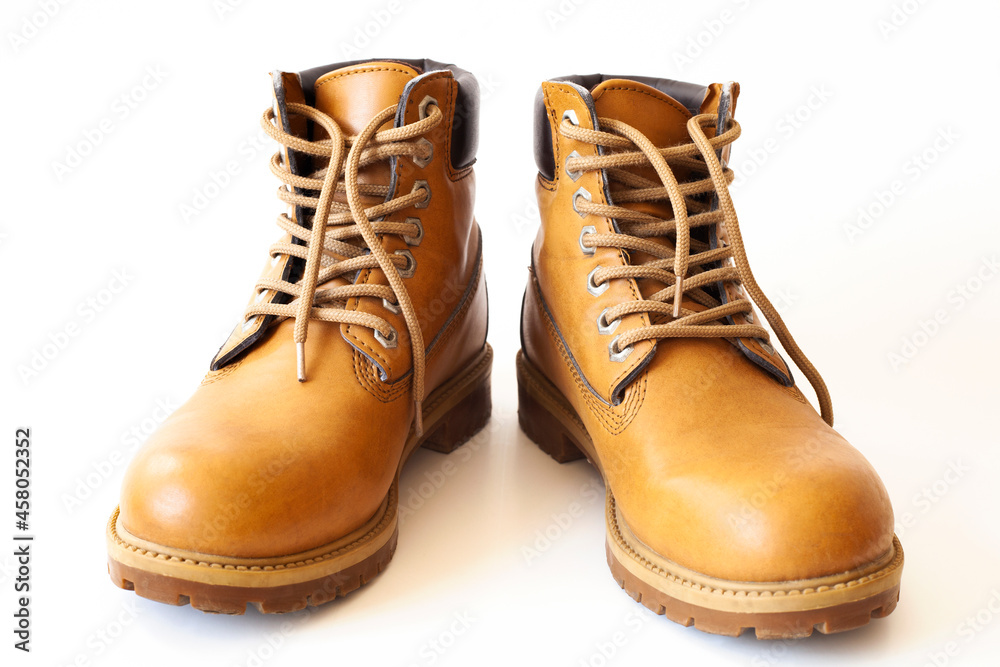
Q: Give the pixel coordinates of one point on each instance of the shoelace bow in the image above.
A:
(327, 250)
(691, 265)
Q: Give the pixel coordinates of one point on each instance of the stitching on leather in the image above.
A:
(365, 70)
(353, 305)
(672, 103)
(552, 128)
(215, 376)
(897, 559)
(452, 87)
(385, 363)
(390, 511)
(546, 185)
(458, 315)
(462, 175)
(567, 409)
(633, 287)
(636, 295)
(363, 278)
(369, 379)
(608, 416)
(643, 318)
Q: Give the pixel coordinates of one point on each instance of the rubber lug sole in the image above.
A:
(453, 414)
(779, 610)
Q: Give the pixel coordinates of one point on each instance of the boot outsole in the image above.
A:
(453, 414)
(779, 610)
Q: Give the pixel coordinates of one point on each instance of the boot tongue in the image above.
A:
(663, 120)
(657, 115)
(352, 96)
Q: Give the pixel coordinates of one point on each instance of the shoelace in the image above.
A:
(692, 264)
(328, 252)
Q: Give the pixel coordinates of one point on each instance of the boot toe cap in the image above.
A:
(242, 493)
(794, 513)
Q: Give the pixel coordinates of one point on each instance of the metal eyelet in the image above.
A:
(582, 192)
(390, 306)
(424, 103)
(574, 175)
(260, 296)
(603, 326)
(767, 346)
(411, 264)
(594, 288)
(422, 185)
(423, 162)
(588, 229)
(415, 240)
(248, 324)
(570, 115)
(614, 354)
(387, 342)
(748, 316)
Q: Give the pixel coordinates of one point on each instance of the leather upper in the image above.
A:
(716, 462)
(257, 464)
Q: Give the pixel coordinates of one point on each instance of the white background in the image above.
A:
(837, 100)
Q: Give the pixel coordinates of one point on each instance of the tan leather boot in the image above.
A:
(731, 503)
(276, 484)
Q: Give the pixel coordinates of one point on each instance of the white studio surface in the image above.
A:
(137, 211)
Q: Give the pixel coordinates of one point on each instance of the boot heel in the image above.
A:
(543, 428)
(463, 421)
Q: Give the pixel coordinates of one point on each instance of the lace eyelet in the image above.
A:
(260, 296)
(423, 162)
(588, 229)
(570, 115)
(594, 288)
(415, 240)
(390, 306)
(411, 263)
(389, 342)
(581, 192)
(424, 103)
(603, 326)
(767, 346)
(574, 175)
(422, 185)
(748, 316)
(616, 355)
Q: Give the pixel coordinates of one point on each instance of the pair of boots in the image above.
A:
(277, 483)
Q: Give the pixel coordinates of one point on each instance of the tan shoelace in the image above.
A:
(328, 252)
(688, 268)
